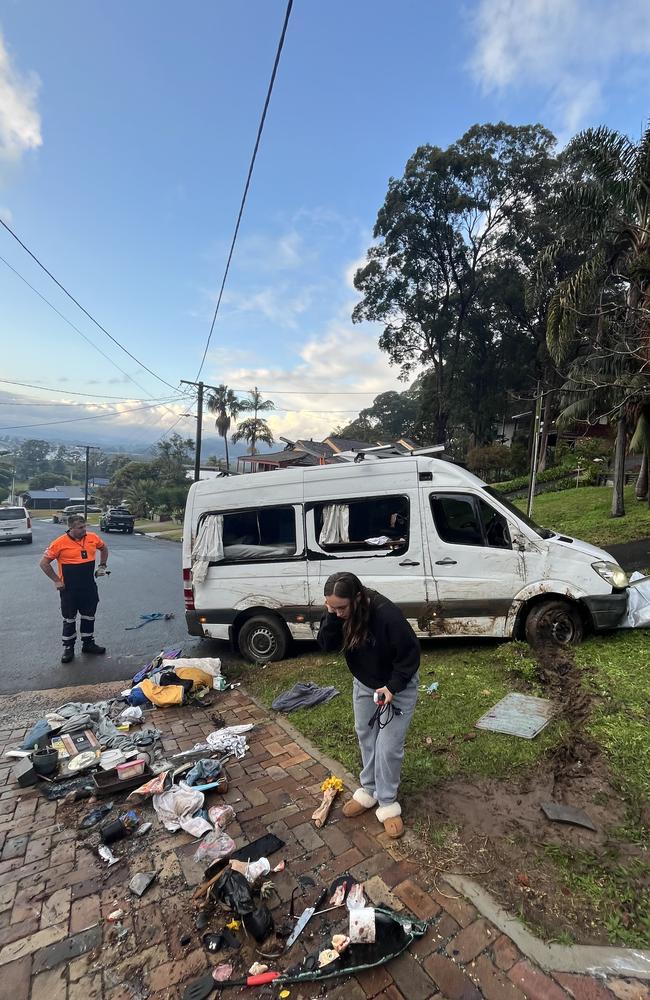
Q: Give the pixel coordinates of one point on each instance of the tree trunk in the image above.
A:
(618, 500)
(225, 441)
(641, 489)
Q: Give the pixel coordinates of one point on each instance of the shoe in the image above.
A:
(68, 654)
(93, 648)
(391, 817)
(360, 802)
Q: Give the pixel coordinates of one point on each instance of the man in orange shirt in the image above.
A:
(75, 553)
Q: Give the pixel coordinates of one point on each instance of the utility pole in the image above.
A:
(87, 448)
(537, 425)
(200, 386)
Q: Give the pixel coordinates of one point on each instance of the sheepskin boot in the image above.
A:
(360, 802)
(391, 817)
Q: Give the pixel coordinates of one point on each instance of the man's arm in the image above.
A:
(46, 566)
(103, 553)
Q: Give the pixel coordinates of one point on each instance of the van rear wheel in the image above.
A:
(263, 639)
(554, 621)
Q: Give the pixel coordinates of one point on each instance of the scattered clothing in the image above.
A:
(153, 616)
(204, 772)
(304, 694)
(230, 740)
(176, 808)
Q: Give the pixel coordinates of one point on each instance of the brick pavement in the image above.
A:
(55, 893)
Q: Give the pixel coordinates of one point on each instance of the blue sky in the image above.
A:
(125, 133)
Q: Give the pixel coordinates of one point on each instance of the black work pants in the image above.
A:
(80, 601)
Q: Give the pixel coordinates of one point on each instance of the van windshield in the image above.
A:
(542, 532)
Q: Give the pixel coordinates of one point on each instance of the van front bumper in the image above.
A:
(606, 610)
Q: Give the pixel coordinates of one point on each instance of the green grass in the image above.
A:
(166, 529)
(585, 514)
(471, 679)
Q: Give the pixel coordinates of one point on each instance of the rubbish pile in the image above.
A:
(106, 756)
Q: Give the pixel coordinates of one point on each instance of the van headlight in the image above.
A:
(612, 573)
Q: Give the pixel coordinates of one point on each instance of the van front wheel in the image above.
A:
(263, 639)
(554, 621)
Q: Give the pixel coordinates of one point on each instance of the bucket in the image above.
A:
(45, 761)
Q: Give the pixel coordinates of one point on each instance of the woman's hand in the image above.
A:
(388, 695)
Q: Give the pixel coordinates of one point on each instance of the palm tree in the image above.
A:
(254, 428)
(225, 404)
(598, 314)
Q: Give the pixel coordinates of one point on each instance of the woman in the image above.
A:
(383, 654)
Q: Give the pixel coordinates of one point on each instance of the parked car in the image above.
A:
(454, 554)
(15, 525)
(117, 519)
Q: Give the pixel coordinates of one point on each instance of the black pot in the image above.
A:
(45, 761)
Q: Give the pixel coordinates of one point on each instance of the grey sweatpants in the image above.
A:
(382, 750)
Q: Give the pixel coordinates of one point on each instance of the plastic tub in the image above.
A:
(130, 769)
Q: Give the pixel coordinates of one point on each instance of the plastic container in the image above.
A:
(130, 769)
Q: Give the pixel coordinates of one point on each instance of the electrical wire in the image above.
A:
(83, 309)
(94, 416)
(73, 392)
(260, 129)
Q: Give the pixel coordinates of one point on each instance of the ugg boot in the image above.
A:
(360, 802)
(391, 817)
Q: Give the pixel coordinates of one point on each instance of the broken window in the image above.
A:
(267, 533)
(468, 520)
(371, 524)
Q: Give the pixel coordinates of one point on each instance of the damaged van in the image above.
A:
(456, 556)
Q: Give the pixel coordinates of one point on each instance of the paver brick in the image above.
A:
(374, 981)
(493, 984)
(534, 984)
(50, 985)
(624, 990)
(63, 951)
(88, 988)
(456, 906)
(450, 978)
(84, 913)
(471, 941)
(28, 945)
(306, 835)
(417, 900)
(505, 953)
(410, 977)
(582, 987)
(378, 893)
(15, 978)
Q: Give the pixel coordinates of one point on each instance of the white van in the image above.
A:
(455, 555)
(15, 525)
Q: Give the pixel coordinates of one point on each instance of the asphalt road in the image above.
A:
(145, 576)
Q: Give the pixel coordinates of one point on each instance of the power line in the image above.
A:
(260, 129)
(94, 416)
(71, 392)
(83, 309)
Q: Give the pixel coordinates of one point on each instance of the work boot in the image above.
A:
(68, 654)
(93, 648)
(360, 802)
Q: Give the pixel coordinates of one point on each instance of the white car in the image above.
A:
(15, 525)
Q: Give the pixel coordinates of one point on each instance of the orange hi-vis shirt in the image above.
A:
(74, 555)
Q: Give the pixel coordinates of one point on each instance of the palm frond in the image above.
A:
(572, 299)
(605, 151)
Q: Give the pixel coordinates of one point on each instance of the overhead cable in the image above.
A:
(260, 129)
(94, 416)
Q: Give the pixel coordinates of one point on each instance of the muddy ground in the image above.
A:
(495, 831)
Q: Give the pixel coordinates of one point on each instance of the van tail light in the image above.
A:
(29, 522)
(188, 593)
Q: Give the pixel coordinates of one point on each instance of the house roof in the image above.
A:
(53, 494)
(346, 444)
(315, 447)
(289, 456)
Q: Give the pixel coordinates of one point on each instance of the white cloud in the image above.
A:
(6, 215)
(276, 303)
(20, 122)
(568, 50)
(335, 375)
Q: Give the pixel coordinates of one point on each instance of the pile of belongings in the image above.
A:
(172, 680)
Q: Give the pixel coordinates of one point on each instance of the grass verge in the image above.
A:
(585, 514)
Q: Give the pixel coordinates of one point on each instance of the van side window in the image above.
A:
(267, 533)
(371, 524)
(466, 520)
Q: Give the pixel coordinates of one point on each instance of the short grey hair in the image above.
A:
(76, 519)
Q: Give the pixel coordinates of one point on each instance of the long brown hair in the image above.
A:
(350, 588)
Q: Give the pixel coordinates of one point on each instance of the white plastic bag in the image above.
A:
(176, 808)
(214, 846)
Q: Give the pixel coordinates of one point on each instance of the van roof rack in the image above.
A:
(388, 451)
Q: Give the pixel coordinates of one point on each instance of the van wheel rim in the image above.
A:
(559, 627)
(262, 642)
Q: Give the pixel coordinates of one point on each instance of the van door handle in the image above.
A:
(409, 562)
(446, 562)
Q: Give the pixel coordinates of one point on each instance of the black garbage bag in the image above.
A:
(259, 923)
(233, 890)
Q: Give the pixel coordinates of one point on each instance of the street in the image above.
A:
(145, 576)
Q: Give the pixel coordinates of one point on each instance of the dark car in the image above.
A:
(117, 519)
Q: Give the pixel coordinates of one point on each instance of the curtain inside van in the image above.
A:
(336, 524)
(208, 546)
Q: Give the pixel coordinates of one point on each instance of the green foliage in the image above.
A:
(45, 480)
(585, 514)
(224, 404)
(489, 461)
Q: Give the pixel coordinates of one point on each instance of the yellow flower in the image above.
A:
(332, 782)
(233, 925)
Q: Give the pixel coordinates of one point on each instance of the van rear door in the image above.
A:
(476, 568)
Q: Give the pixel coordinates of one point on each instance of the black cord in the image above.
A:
(383, 715)
(248, 181)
